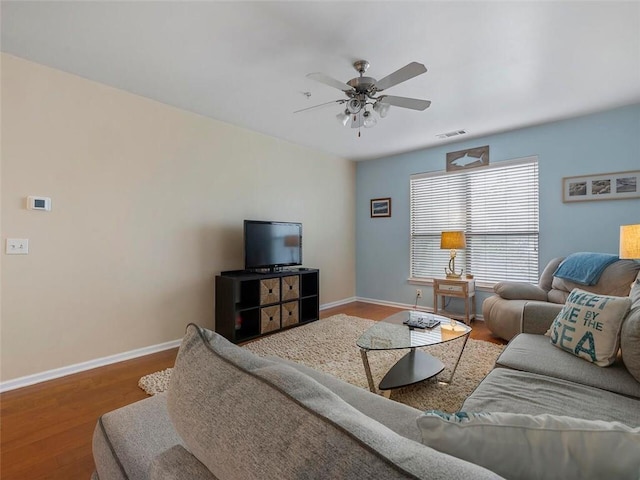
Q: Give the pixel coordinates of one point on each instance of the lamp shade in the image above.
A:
(453, 240)
(630, 241)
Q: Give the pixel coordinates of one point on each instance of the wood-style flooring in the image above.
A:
(46, 429)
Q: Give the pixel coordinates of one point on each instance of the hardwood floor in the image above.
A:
(46, 429)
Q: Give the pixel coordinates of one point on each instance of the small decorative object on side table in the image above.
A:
(464, 288)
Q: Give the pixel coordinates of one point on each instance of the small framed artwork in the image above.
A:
(380, 207)
(603, 186)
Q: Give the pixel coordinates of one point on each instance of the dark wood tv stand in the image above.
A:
(251, 304)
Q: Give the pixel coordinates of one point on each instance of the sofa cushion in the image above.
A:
(572, 448)
(127, 440)
(247, 417)
(397, 416)
(505, 390)
(178, 464)
(588, 326)
(537, 317)
(534, 353)
(630, 333)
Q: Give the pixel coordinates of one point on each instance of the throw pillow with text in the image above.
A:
(588, 326)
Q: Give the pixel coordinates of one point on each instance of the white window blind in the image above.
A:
(497, 208)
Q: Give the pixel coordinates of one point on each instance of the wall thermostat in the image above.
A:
(38, 203)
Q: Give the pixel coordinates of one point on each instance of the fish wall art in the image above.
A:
(470, 158)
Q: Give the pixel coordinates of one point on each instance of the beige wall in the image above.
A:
(148, 203)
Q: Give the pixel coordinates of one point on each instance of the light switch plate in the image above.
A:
(17, 246)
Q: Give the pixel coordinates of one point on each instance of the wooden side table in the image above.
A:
(459, 288)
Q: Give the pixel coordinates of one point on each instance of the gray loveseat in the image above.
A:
(517, 304)
(229, 414)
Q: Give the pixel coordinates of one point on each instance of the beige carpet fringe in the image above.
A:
(329, 345)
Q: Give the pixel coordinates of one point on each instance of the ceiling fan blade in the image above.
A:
(327, 80)
(405, 102)
(405, 73)
(320, 105)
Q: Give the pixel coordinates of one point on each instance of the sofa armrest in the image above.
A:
(178, 464)
(537, 317)
(520, 291)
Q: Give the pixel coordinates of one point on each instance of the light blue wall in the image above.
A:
(599, 143)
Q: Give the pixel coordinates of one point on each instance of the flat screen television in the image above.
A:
(271, 245)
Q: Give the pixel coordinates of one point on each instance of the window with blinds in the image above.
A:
(497, 208)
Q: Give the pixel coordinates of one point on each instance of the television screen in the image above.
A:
(272, 244)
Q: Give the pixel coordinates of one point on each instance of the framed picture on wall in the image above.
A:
(380, 207)
(602, 186)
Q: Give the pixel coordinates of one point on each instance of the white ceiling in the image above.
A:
(492, 66)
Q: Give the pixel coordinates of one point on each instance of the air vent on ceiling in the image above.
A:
(451, 134)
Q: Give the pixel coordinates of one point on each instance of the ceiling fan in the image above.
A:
(363, 94)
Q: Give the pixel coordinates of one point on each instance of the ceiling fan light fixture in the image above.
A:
(381, 108)
(369, 120)
(354, 105)
(343, 118)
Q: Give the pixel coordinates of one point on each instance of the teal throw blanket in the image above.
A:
(584, 268)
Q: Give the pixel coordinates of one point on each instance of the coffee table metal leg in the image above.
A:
(447, 382)
(367, 369)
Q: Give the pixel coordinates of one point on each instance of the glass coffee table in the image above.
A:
(416, 365)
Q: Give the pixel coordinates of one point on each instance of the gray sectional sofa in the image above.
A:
(229, 414)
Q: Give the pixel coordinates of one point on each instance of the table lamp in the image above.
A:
(452, 240)
(630, 241)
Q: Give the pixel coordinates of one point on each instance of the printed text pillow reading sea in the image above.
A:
(588, 326)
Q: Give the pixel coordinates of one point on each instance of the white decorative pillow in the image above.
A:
(588, 326)
(535, 446)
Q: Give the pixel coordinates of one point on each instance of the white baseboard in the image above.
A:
(393, 304)
(344, 301)
(140, 352)
(81, 367)
(101, 362)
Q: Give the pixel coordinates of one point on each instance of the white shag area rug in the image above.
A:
(329, 345)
